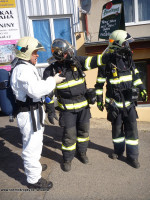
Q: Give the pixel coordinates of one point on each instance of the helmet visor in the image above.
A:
(39, 47)
(126, 43)
(129, 38)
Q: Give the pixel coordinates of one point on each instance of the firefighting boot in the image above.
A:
(133, 162)
(83, 157)
(115, 156)
(66, 166)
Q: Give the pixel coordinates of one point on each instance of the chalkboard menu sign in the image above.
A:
(112, 18)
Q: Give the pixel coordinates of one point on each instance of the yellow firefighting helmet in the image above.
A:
(119, 38)
(26, 46)
(60, 47)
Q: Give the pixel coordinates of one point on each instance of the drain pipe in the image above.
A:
(86, 27)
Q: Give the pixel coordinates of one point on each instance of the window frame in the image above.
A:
(51, 19)
(136, 22)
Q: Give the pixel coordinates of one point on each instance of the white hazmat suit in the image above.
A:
(25, 80)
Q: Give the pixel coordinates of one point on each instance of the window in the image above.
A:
(137, 11)
(42, 33)
(47, 29)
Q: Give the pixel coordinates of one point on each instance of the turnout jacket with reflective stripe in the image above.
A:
(71, 92)
(126, 78)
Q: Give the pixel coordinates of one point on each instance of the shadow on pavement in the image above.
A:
(11, 163)
(52, 138)
(100, 148)
(12, 135)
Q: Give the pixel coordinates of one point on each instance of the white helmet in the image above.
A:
(26, 46)
(119, 38)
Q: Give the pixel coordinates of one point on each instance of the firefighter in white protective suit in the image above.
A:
(30, 90)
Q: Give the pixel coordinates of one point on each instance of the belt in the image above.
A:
(31, 108)
(27, 108)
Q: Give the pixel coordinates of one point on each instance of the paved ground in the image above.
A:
(101, 179)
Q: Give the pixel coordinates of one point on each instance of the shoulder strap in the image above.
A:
(15, 62)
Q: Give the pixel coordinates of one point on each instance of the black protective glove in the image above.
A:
(112, 110)
(51, 117)
(50, 109)
(144, 95)
(110, 57)
(90, 95)
(100, 106)
(107, 57)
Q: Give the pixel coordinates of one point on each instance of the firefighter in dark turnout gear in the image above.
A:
(73, 100)
(122, 78)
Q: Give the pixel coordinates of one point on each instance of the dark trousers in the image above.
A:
(125, 134)
(76, 132)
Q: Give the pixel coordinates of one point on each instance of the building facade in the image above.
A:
(78, 21)
(137, 24)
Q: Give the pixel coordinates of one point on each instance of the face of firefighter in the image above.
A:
(126, 44)
(65, 55)
(34, 57)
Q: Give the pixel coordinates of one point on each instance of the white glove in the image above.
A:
(58, 78)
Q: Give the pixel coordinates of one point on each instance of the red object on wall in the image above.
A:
(109, 5)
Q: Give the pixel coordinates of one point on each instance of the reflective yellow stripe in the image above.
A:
(99, 92)
(116, 81)
(121, 79)
(70, 83)
(88, 62)
(73, 106)
(136, 71)
(132, 142)
(137, 82)
(125, 78)
(51, 102)
(119, 104)
(99, 60)
(71, 148)
(118, 140)
(82, 139)
(101, 80)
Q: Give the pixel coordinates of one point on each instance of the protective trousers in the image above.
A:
(125, 133)
(32, 144)
(76, 132)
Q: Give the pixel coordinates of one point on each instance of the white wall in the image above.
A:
(30, 8)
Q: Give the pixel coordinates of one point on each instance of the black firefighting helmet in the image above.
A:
(119, 39)
(61, 47)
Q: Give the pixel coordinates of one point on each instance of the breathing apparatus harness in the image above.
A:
(91, 92)
(75, 65)
(125, 54)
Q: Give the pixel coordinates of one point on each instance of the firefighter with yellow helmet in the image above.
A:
(29, 90)
(122, 77)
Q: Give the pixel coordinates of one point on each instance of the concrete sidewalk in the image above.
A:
(101, 179)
